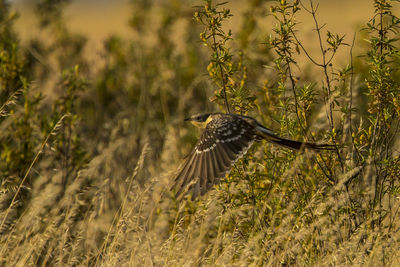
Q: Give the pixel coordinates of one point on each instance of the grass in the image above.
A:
(89, 147)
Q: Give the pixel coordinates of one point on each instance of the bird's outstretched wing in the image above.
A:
(222, 143)
(225, 139)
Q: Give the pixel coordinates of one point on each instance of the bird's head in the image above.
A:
(201, 120)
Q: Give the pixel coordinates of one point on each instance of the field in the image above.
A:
(93, 98)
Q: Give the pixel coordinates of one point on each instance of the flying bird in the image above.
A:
(225, 139)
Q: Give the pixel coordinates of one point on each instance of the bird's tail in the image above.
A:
(292, 144)
(297, 145)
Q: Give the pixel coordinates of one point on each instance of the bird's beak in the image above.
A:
(188, 119)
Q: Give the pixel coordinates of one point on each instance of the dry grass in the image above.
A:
(110, 205)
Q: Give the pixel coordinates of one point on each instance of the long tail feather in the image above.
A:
(268, 135)
(297, 145)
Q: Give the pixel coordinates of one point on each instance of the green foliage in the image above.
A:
(19, 116)
(12, 64)
(383, 91)
(67, 147)
(86, 151)
(227, 72)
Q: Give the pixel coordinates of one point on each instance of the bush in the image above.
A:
(88, 153)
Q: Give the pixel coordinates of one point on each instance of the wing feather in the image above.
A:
(218, 148)
(225, 139)
(214, 166)
(185, 173)
(204, 171)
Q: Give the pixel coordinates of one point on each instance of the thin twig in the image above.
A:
(305, 51)
(325, 64)
(222, 73)
(351, 98)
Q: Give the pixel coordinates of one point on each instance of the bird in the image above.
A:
(225, 139)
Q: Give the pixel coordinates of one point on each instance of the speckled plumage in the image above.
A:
(225, 139)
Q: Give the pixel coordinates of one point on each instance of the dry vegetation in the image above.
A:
(87, 152)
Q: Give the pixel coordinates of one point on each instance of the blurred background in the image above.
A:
(97, 20)
(92, 100)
